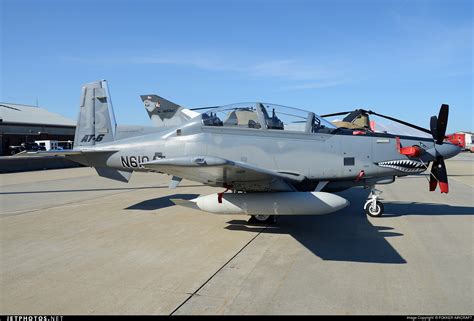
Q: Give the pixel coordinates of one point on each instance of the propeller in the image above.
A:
(437, 130)
(438, 169)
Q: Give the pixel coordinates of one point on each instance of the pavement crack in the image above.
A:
(195, 293)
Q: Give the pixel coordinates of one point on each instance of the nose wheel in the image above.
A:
(373, 211)
(373, 207)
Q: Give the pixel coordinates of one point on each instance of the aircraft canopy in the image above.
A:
(266, 116)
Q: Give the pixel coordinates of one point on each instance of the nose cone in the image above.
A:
(448, 150)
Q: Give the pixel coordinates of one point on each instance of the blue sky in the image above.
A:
(403, 58)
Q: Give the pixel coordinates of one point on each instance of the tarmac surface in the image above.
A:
(75, 243)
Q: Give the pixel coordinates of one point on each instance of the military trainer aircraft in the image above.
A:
(269, 159)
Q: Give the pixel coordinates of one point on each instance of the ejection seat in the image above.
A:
(272, 122)
(211, 119)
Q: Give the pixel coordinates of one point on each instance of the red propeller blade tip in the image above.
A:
(433, 185)
(444, 187)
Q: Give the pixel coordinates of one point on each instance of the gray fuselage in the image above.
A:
(335, 157)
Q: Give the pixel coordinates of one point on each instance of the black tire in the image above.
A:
(379, 209)
(262, 219)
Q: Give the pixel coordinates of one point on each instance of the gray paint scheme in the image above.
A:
(245, 159)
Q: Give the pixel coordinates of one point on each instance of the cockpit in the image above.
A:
(267, 117)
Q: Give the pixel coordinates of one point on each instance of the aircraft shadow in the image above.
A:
(346, 235)
(160, 202)
(395, 209)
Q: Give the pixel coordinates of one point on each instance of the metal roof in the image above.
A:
(24, 114)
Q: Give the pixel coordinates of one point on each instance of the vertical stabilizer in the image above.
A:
(96, 123)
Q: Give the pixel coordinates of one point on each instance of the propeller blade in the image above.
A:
(443, 177)
(442, 123)
(434, 176)
(434, 126)
(439, 175)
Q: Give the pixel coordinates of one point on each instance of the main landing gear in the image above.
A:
(262, 219)
(373, 207)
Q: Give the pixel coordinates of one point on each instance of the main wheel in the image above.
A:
(373, 211)
(262, 219)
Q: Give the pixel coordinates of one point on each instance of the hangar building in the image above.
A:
(23, 124)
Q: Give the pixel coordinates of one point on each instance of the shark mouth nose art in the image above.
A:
(407, 166)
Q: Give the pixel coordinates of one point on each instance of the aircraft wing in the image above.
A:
(216, 171)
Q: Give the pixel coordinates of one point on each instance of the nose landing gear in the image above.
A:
(373, 207)
(262, 219)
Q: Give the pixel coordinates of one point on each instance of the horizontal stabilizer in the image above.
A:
(118, 175)
(66, 152)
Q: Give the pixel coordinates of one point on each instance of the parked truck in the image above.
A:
(49, 144)
(464, 140)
